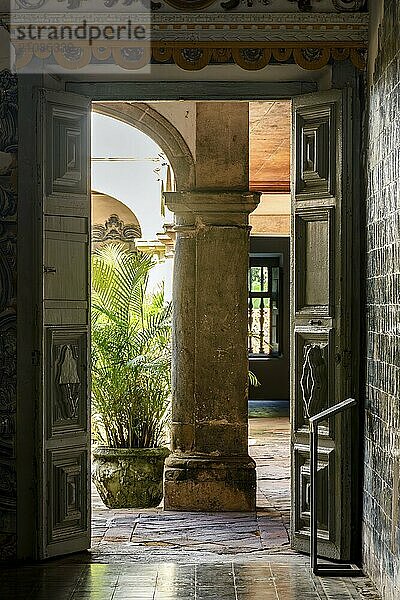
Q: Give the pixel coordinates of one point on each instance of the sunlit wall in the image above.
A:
(130, 166)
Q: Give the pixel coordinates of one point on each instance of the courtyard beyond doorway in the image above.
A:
(183, 536)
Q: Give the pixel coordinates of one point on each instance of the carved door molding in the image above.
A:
(64, 205)
(322, 373)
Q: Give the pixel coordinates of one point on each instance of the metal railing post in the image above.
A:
(336, 570)
(313, 493)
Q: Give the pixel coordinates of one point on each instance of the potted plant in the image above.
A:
(131, 360)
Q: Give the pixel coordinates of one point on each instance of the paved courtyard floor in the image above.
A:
(154, 533)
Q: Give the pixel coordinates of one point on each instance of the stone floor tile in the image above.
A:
(143, 554)
(278, 578)
(125, 531)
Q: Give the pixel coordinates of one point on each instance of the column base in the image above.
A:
(209, 484)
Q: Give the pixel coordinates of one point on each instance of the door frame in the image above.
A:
(343, 75)
(150, 91)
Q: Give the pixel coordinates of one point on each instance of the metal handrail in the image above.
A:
(336, 570)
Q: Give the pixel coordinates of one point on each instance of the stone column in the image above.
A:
(209, 468)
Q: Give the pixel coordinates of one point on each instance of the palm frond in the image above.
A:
(253, 380)
(131, 354)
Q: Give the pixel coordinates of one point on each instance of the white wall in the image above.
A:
(131, 178)
(182, 115)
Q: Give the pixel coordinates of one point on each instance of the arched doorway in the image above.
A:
(161, 131)
(137, 154)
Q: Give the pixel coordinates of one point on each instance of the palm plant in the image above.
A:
(131, 354)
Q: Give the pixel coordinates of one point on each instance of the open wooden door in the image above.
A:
(321, 324)
(64, 245)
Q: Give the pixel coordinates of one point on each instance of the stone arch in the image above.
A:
(160, 130)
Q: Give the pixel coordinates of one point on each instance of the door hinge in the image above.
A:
(344, 359)
(38, 174)
(347, 358)
(36, 358)
(37, 316)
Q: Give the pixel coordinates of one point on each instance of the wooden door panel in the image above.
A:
(320, 320)
(66, 383)
(325, 475)
(68, 167)
(64, 201)
(314, 261)
(314, 352)
(315, 142)
(63, 281)
(67, 474)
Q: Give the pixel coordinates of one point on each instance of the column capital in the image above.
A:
(214, 207)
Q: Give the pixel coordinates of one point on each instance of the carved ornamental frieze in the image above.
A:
(254, 58)
(284, 5)
(193, 34)
(114, 229)
(8, 316)
(218, 5)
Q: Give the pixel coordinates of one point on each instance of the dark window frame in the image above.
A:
(268, 261)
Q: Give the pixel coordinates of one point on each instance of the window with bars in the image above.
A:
(265, 284)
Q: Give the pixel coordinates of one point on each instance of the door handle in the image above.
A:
(49, 270)
(315, 322)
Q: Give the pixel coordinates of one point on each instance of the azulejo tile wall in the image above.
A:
(8, 316)
(382, 420)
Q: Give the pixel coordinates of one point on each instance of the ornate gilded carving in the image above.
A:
(114, 229)
(194, 39)
(67, 382)
(8, 144)
(194, 57)
(8, 265)
(8, 385)
(8, 111)
(202, 4)
(8, 338)
(189, 4)
(8, 198)
(8, 346)
(312, 58)
(304, 5)
(8, 483)
(251, 59)
(230, 4)
(313, 380)
(8, 547)
(358, 57)
(198, 5)
(349, 5)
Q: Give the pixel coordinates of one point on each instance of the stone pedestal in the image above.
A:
(209, 468)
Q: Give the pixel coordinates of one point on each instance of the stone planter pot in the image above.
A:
(129, 477)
